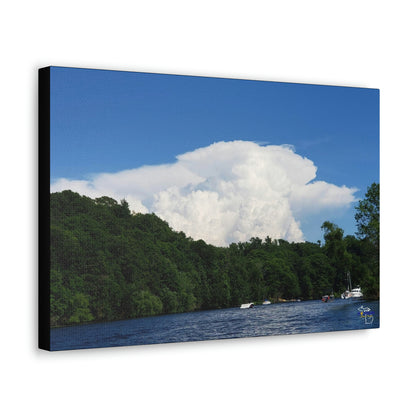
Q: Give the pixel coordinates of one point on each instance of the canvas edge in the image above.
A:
(44, 208)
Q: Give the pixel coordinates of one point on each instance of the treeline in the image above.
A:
(108, 264)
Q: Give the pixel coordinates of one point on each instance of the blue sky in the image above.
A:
(110, 121)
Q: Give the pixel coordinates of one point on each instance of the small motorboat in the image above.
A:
(266, 302)
(247, 305)
(328, 298)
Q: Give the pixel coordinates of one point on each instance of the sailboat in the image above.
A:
(351, 293)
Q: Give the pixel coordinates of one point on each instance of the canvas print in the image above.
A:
(183, 208)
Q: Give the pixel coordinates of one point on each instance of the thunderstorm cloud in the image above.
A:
(226, 192)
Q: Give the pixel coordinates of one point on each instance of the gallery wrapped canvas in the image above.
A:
(180, 208)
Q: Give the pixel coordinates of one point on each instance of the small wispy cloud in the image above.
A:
(306, 144)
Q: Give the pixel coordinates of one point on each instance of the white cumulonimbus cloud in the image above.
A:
(226, 192)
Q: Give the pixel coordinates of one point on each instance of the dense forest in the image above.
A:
(108, 263)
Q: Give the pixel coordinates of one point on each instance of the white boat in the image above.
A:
(266, 302)
(352, 293)
(356, 292)
(247, 305)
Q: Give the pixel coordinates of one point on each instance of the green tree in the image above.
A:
(336, 250)
(79, 309)
(122, 210)
(280, 280)
(368, 215)
(146, 303)
(368, 225)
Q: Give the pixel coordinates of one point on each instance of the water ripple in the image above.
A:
(275, 319)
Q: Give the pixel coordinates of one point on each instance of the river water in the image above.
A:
(276, 319)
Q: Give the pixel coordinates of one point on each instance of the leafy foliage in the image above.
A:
(108, 263)
(368, 215)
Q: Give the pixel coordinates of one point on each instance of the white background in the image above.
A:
(355, 43)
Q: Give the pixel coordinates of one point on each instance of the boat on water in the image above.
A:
(266, 302)
(328, 298)
(354, 293)
(247, 305)
(351, 293)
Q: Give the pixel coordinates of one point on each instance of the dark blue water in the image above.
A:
(275, 319)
